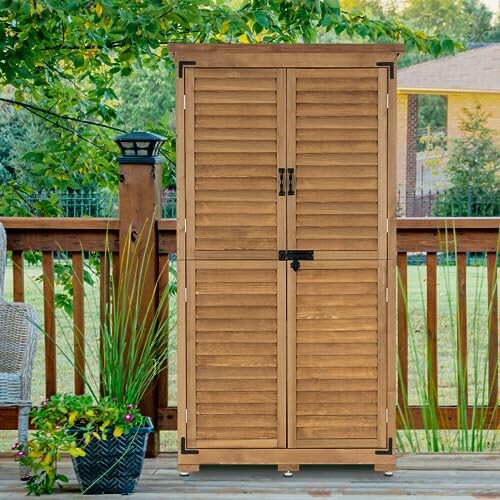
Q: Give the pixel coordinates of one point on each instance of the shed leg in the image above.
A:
(186, 469)
(387, 469)
(288, 469)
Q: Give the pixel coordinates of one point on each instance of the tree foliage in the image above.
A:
(474, 159)
(72, 63)
(468, 21)
(432, 112)
(473, 168)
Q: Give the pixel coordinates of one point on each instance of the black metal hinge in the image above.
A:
(184, 450)
(385, 452)
(389, 65)
(181, 67)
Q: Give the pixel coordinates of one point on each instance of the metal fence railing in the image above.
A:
(420, 203)
(450, 202)
(94, 203)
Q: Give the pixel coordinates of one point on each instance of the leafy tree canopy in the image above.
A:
(66, 61)
(53, 47)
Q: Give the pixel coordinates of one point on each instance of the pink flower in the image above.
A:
(128, 417)
(44, 402)
(20, 454)
(130, 407)
(114, 399)
(15, 446)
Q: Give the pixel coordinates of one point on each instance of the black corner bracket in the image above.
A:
(184, 450)
(385, 452)
(181, 67)
(389, 65)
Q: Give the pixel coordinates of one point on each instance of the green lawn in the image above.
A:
(64, 339)
(477, 342)
(477, 327)
(477, 339)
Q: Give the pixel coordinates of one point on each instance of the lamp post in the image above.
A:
(140, 169)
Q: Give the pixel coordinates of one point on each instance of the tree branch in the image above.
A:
(67, 128)
(33, 108)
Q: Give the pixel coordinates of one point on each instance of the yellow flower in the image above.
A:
(72, 417)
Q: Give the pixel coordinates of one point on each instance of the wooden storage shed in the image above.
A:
(286, 254)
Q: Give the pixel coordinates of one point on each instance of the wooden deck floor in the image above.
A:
(421, 476)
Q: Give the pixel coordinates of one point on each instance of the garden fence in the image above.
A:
(470, 202)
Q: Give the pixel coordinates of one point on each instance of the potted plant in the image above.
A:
(106, 440)
(106, 434)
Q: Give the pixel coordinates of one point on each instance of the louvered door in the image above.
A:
(336, 303)
(235, 141)
(336, 135)
(337, 355)
(236, 344)
(236, 392)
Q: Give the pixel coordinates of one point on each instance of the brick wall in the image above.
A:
(401, 140)
(411, 153)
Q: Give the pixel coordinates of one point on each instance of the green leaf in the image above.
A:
(261, 18)
(448, 46)
(435, 48)
(333, 4)
(78, 60)
(340, 28)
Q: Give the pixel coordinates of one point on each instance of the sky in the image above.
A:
(492, 4)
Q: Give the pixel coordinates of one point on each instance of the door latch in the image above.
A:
(295, 256)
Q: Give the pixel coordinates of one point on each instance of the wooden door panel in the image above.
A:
(337, 147)
(236, 352)
(337, 354)
(235, 142)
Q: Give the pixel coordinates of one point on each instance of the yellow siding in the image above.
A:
(456, 103)
(401, 141)
(490, 102)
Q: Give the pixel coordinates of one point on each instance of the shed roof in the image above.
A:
(475, 70)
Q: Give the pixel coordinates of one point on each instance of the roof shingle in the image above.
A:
(477, 69)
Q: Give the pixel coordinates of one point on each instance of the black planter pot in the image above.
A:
(114, 465)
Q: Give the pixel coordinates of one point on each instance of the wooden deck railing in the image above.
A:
(429, 236)
(74, 236)
(456, 237)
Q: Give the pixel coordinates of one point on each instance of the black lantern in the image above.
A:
(140, 147)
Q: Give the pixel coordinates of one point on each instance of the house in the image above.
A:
(462, 80)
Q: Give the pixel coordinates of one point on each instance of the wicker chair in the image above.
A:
(18, 338)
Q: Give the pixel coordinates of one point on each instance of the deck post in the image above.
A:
(140, 169)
